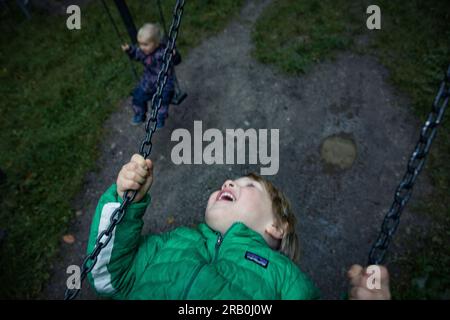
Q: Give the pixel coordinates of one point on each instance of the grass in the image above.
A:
(293, 35)
(413, 44)
(57, 88)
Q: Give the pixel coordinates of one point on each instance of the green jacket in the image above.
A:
(188, 263)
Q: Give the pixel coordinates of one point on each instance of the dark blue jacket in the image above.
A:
(152, 65)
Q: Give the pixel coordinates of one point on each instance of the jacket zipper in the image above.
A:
(218, 243)
(217, 247)
(220, 238)
(191, 281)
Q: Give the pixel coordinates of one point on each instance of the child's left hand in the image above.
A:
(359, 280)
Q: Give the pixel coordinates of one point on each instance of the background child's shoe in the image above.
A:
(138, 119)
(160, 123)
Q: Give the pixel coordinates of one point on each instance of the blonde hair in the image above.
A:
(150, 32)
(284, 215)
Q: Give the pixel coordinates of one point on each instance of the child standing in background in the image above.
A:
(149, 52)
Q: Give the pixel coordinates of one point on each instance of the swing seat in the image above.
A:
(178, 97)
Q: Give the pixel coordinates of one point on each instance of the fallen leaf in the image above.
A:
(69, 239)
(170, 220)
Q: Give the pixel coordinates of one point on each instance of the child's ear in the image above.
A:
(276, 231)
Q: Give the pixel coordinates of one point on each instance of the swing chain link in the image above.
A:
(150, 126)
(105, 236)
(414, 167)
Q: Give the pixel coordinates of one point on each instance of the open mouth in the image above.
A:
(226, 196)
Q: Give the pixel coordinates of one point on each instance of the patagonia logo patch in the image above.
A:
(257, 259)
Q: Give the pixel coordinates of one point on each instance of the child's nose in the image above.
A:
(228, 183)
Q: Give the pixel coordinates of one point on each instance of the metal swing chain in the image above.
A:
(146, 147)
(415, 165)
(111, 19)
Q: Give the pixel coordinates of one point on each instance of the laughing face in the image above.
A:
(241, 200)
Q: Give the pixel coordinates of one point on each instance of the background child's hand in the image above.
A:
(358, 284)
(135, 175)
(125, 47)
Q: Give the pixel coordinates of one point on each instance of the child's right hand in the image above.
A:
(359, 289)
(125, 47)
(136, 175)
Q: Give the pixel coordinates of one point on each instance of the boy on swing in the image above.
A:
(246, 249)
(150, 52)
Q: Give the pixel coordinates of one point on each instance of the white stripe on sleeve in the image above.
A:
(100, 273)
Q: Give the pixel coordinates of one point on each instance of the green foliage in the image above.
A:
(294, 34)
(57, 88)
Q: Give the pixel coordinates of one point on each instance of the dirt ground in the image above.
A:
(339, 208)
